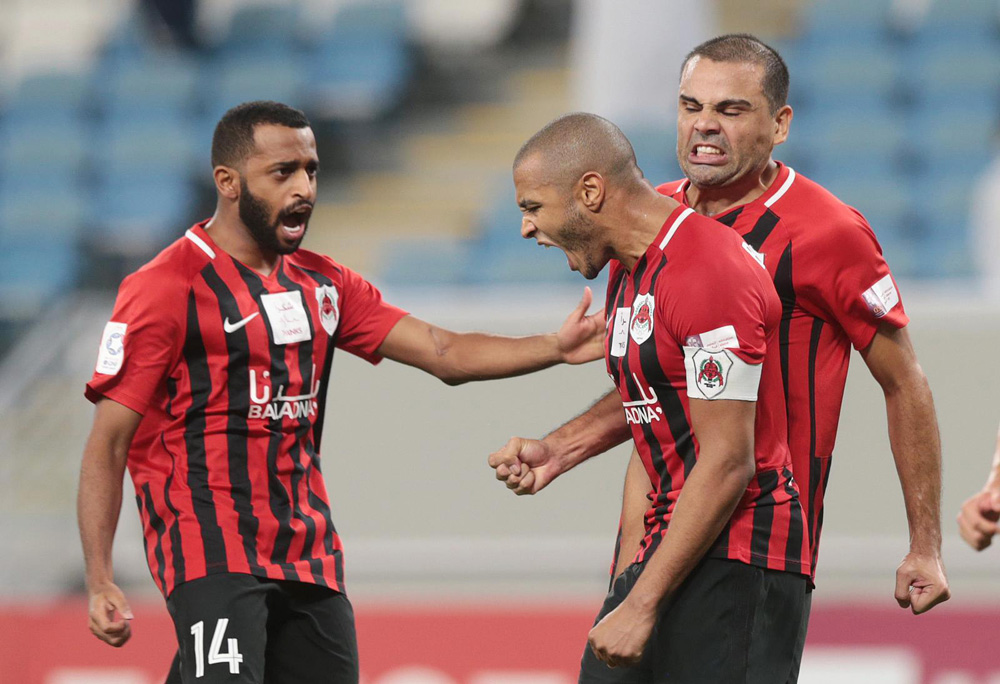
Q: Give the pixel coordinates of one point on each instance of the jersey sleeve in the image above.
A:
(846, 278)
(365, 318)
(140, 344)
(720, 320)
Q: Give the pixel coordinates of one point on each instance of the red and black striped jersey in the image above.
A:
(835, 289)
(229, 369)
(697, 317)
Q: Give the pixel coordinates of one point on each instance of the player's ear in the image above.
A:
(227, 182)
(591, 191)
(782, 122)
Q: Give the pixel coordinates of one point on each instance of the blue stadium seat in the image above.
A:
(953, 141)
(427, 261)
(519, 261)
(371, 18)
(233, 80)
(134, 145)
(34, 271)
(359, 76)
(834, 77)
(839, 145)
(258, 28)
(138, 214)
(843, 22)
(54, 209)
(152, 82)
(960, 21)
(59, 91)
(33, 148)
(967, 72)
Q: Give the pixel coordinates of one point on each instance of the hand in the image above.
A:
(977, 521)
(525, 465)
(105, 601)
(621, 636)
(921, 583)
(581, 337)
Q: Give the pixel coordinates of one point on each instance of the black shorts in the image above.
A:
(728, 623)
(243, 629)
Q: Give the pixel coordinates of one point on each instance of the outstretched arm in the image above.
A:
(456, 358)
(916, 447)
(99, 502)
(528, 465)
(977, 520)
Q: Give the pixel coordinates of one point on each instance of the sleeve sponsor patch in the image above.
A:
(715, 340)
(112, 352)
(881, 297)
(720, 374)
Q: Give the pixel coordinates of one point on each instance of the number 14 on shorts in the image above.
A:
(231, 656)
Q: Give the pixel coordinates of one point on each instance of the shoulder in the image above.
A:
(812, 215)
(169, 273)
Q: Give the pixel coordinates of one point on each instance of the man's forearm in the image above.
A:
(599, 428)
(916, 449)
(99, 502)
(993, 480)
(481, 356)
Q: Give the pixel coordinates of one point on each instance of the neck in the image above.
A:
(710, 201)
(642, 218)
(232, 236)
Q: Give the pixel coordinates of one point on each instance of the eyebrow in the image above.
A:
(732, 102)
(527, 203)
(293, 164)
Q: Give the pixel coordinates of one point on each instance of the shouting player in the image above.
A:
(210, 387)
(836, 292)
(718, 587)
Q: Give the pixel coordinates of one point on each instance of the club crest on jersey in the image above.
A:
(711, 371)
(642, 318)
(329, 310)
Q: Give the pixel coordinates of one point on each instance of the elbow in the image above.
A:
(451, 379)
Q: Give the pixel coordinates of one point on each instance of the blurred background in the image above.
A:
(106, 114)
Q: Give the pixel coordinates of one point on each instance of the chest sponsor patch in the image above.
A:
(111, 355)
(328, 300)
(619, 332)
(643, 309)
(715, 340)
(881, 297)
(287, 316)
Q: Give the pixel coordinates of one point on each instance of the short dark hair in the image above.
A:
(233, 140)
(748, 49)
(579, 142)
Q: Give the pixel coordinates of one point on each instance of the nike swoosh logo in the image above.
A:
(233, 327)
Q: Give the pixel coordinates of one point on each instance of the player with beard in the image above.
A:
(836, 291)
(210, 387)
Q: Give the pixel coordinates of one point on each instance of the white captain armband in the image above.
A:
(720, 374)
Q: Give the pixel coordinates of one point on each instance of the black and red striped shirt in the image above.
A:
(836, 289)
(229, 369)
(697, 316)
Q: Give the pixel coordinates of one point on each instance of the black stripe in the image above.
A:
(279, 499)
(305, 352)
(814, 474)
(729, 219)
(237, 430)
(761, 230)
(202, 499)
(786, 292)
(763, 514)
(793, 549)
(180, 568)
(159, 527)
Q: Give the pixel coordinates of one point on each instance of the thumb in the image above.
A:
(117, 599)
(585, 301)
(903, 589)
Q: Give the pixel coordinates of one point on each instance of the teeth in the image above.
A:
(707, 149)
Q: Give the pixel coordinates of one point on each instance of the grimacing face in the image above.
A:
(725, 129)
(551, 217)
(278, 187)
